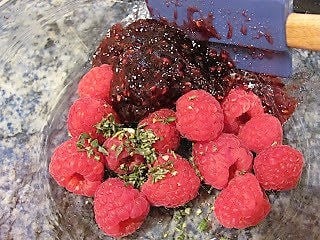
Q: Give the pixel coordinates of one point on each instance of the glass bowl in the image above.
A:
(51, 44)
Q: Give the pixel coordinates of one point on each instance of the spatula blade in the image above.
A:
(258, 25)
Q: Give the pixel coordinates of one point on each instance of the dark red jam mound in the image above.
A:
(155, 64)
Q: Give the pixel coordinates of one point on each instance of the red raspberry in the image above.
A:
(119, 158)
(163, 125)
(238, 107)
(242, 203)
(243, 164)
(74, 170)
(219, 160)
(199, 116)
(96, 83)
(117, 152)
(119, 208)
(85, 113)
(261, 132)
(278, 168)
(172, 183)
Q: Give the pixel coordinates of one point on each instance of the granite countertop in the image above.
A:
(42, 44)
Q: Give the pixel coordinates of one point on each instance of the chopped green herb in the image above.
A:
(137, 177)
(166, 234)
(94, 143)
(137, 141)
(108, 127)
(113, 147)
(82, 141)
(187, 211)
(91, 146)
(165, 157)
(124, 167)
(182, 236)
(203, 225)
(143, 141)
(170, 119)
(174, 173)
(198, 212)
(194, 166)
(159, 172)
(90, 152)
(167, 120)
(174, 154)
(102, 150)
(181, 225)
(119, 150)
(134, 141)
(85, 136)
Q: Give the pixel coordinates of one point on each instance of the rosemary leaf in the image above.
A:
(137, 177)
(203, 225)
(108, 127)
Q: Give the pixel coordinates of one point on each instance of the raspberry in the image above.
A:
(172, 182)
(163, 125)
(242, 203)
(219, 160)
(119, 158)
(85, 113)
(261, 132)
(278, 168)
(238, 107)
(74, 170)
(243, 163)
(117, 153)
(119, 208)
(199, 116)
(134, 161)
(96, 83)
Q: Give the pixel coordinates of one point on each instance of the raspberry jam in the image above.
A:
(155, 64)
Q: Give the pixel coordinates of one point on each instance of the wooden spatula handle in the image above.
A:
(303, 31)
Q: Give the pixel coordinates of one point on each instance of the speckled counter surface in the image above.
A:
(42, 44)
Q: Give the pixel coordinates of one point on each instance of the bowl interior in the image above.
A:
(294, 214)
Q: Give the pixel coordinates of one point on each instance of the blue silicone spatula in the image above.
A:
(257, 34)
